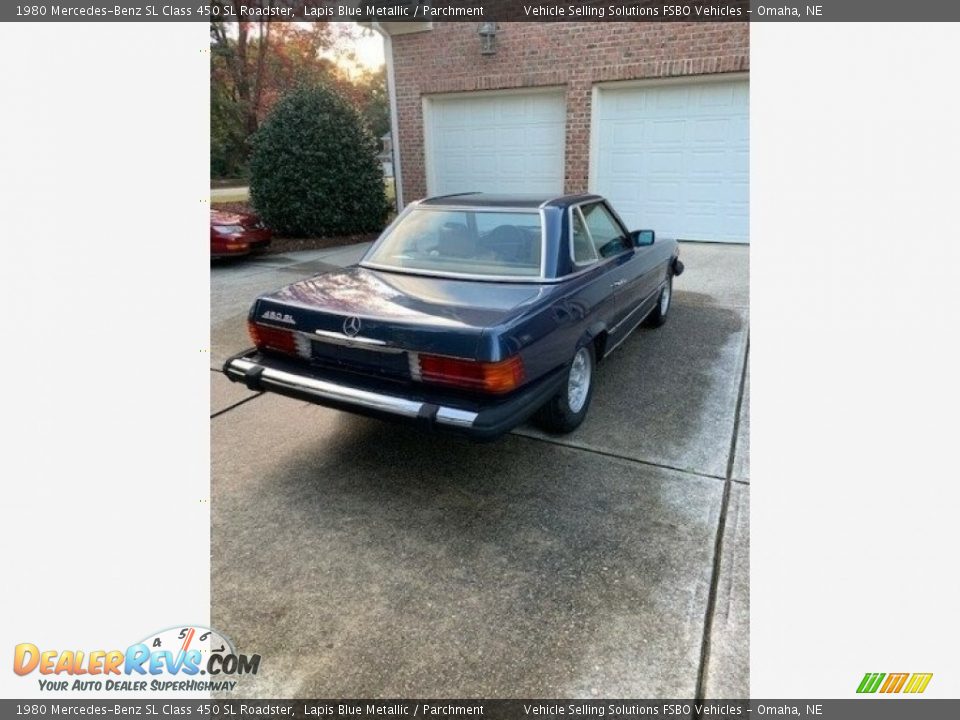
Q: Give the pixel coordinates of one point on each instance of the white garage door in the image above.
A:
(509, 143)
(675, 158)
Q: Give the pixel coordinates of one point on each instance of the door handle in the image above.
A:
(618, 283)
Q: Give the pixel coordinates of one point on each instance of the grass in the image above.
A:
(229, 195)
(391, 190)
(237, 191)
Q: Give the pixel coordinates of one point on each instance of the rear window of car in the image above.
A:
(463, 242)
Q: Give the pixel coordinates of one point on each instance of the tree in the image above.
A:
(313, 170)
(254, 64)
(251, 65)
(245, 68)
(228, 152)
(369, 92)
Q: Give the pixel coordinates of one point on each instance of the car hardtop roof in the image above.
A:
(512, 200)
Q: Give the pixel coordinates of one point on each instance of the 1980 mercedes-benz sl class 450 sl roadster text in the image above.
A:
(470, 313)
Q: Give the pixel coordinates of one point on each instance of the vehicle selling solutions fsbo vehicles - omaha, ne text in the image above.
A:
(470, 313)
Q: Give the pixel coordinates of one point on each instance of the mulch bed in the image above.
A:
(235, 207)
(281, 244)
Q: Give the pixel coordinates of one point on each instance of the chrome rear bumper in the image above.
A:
(258, 376)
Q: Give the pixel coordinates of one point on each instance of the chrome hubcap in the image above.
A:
(665, 299)
(578, 384)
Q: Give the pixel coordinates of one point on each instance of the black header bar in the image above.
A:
(409, 11)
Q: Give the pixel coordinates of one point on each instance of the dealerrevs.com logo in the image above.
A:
(183, 658)
(910, 683)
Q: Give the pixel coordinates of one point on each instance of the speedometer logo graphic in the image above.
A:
(204, 650)
(180, 639)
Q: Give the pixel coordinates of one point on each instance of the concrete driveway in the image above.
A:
(363, 559)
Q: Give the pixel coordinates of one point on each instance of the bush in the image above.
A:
(314, 170)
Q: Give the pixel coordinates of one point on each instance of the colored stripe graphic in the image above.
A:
(918, 682)
(894, 682)
(870, 682)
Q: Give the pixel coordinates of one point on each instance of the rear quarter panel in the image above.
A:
(547, 333)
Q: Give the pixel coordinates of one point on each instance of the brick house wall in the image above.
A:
(447, 59)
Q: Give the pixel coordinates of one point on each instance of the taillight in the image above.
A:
(491, 377)
(266, 337)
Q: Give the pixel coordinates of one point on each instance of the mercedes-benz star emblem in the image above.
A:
(351, 326)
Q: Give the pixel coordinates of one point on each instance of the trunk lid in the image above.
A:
(393, 311)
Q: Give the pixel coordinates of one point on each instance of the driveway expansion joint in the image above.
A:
(731, 459)
(227, 409)
(618, 456)
(712, 596)
(718, 543)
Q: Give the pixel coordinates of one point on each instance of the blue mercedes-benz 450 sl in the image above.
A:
(470, 313)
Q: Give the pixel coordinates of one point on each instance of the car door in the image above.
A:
(606, 275)
(649, 268)
(625, 265)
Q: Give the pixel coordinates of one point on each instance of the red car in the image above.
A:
(235, 234)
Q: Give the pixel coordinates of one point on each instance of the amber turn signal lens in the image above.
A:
(491, 377)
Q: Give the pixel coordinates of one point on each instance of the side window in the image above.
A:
(606, 233)
(583, 252)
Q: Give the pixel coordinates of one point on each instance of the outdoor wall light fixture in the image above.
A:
(488, 38)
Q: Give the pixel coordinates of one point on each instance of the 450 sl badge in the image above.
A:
(279, 317)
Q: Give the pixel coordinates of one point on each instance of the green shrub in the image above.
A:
(314, 170)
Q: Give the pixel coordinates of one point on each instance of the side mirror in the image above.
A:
(642, 237)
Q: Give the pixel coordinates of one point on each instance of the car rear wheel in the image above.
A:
(659, 314)
(567, 409)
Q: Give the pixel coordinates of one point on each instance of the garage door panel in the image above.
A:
(541, 162)
(676, 157)
(485, 113)
(624, 165)
(719, 96)
(625, 104)
(620, 133)
(740, 133)
(545, 107)
(661, 165)
(739, 193)
(709, 162)
(661, 192)
(512, 165)
(659, 132)
(482, 164)
(496, 143)
(481, 138)
(704, 194)
(669, 98)
(540, 136)
(741, 160)
(709, 131)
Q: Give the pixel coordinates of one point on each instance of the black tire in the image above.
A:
(658, 316)
(558, 416)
